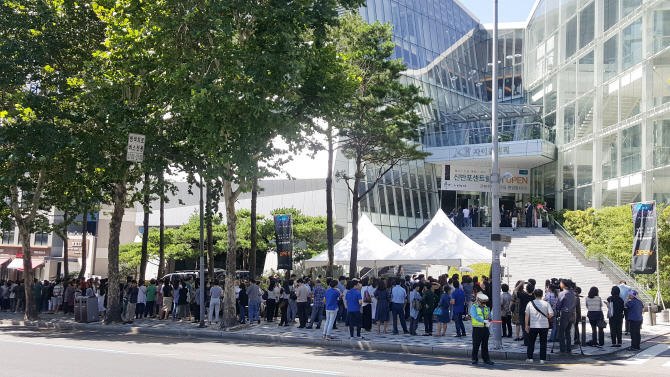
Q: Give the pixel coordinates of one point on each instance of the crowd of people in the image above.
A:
(550, 314)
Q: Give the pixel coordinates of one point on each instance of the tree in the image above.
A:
(378, 126)
(43, 46)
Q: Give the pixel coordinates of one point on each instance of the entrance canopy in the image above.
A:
(18, 264)
(441, 242)
(373, 246)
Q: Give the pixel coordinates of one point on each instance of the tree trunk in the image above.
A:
(145, 234)
(161, 242)
(252, 251)
(84, 239)
(114, 308)
(329, 204)
(28, 275)
(354, 221)
(66, 266)
(210, 233)
(229, 318)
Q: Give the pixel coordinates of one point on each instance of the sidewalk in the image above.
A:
(272, 333)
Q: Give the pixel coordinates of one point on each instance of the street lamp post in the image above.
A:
(496, 324)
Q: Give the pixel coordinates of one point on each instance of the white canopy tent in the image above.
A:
(373, 245)
(441, 242)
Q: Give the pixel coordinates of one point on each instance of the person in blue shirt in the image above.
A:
(331, 298)
(342, 311)
(458, 296)
(354, 300)
(623, 293)
(635, 308)
(481, 315)
(398, 295)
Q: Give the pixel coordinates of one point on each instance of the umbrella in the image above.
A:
(465, 269)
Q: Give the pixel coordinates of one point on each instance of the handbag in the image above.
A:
(601, 324)
(438, 311)
(366, 297)
(551, 320)
(283, 304)
(610, 310)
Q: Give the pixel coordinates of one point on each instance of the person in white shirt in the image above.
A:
(467, 222)
(538, 313)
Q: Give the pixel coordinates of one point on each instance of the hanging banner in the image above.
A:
(644, 238)
(475, 178)
(284, 239)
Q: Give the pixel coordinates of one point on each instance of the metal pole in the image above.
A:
(496, 325)
(202, 257)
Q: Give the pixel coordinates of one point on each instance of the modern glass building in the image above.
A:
(597, 73)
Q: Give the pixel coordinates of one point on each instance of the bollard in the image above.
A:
(665, 315)
(583, 331)
(651, 312)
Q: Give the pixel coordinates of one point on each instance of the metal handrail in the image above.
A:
(603, 260)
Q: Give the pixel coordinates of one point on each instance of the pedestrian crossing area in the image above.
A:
(659, 351)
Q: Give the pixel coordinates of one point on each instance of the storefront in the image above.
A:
(11, 260)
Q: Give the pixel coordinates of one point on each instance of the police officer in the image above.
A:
(481, 315)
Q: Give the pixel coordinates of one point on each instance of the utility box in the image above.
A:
(86, 309)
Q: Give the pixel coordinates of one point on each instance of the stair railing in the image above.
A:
(604, 262)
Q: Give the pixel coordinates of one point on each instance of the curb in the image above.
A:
(292, 340)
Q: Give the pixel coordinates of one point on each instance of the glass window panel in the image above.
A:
(379, 11)
(584, 120)
(363, 203)
(417, 204)
(609, 156)
(660, 185)
(390, 198)
(610, 57)
(662, 144)
(584, 198)
(660, 74)
(399, 201)
(661, 33)
(382, 198)
(631, 45)
(587, 21)
(425, 209)
(631, 94)
(550, 95)
(585, 164)
(569, 123)
(550, 178)
(568, 78)
(631, 150)
(628, 6)
(408, 203)
(568, 170)
(611, 13)
(586, 75)
(569, 199)
(372, 199)
(610, 114)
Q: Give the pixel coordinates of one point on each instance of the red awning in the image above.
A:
(35, 262)
(4, 260)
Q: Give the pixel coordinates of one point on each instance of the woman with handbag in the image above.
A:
(283, 303)
(367, 292)
(443, 311)
(428, 306)
(383, 297)
(538, 321)
(596, 319)
(615, 315)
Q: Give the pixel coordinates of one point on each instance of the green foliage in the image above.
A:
(609, 231)
(559, 215)
(481, 269)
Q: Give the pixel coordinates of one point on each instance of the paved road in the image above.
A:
(32, 352)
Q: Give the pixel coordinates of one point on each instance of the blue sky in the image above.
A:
(508, 10)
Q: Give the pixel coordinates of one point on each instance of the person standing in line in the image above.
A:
(578, 314)
(292, 305)
(538, 313)
(467, 221)
(367, 291)
(565, 306)
(550, 298)
(625, 290)
(414, 295)
(445, 305)
(427, 307)
(342, 311)
(271, 302)
(151, 299)
(615, 314)
(183, 302)
(383, 297)
(318, 294)
(215, 293)
(353, 301)
(481, 315)
(595, 314)
(38, 295)
(284, 294)
(529, 215)
(635, 309)
(302, 294)
(459, 309)
(58, 296)
(141, 300)
(459, 218)
(331, 297)
(68, 300)
(398, 296)
(503, 216)
(133, 292)
(525, 298)
(255, 299)
(243, 301)
(505, 312)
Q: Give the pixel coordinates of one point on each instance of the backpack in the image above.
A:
(416, 304)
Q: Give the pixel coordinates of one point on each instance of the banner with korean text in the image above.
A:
(644, 238)
(284, 239)
(475, 178)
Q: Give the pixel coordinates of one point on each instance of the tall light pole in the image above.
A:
(496, 324)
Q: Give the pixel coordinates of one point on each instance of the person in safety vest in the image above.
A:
(481, 315)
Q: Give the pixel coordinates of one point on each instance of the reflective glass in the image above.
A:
(609, 156)
(662, 143)
(610, 57)
(611, 13)
(584, 198)
(586, 75)
(661, 33)
(571, 37)
(584, 119)
(631, 150)
(568, 170)
(587, 24)
(585, 164)
(628, 6)
(610, 113)
(568, 123)
(631, 44)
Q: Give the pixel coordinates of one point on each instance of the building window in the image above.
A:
(41, 239)
(8, 236)
(609, 156)
(611, 13)
(587, 20)
(631, 44)
(631, 150)
(610, 60)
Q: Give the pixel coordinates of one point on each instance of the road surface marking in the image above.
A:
(221, 356)
(427, 362)
(646, 355)
(68, 347)
(270, 357)
(278, 367)
(666, 364)
(167, 354)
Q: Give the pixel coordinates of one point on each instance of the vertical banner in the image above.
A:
(644, 238)
(284, 237)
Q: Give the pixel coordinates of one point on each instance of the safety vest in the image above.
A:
(482, 312)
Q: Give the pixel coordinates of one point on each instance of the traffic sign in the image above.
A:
(135, 148)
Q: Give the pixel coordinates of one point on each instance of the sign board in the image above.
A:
(74, 246)
(474, 178)
(501, 238)
(135, 151)
(284, 241)
(644, 238)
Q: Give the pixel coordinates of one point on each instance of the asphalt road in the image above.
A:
(33, 352)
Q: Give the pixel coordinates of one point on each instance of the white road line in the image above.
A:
(666, 364)
(646, 355)
(277, 367)
(68, 347)
(167, 354)
(269, 357)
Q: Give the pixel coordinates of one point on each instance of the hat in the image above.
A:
(633, 293)
(482, 297)
(317, 281)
